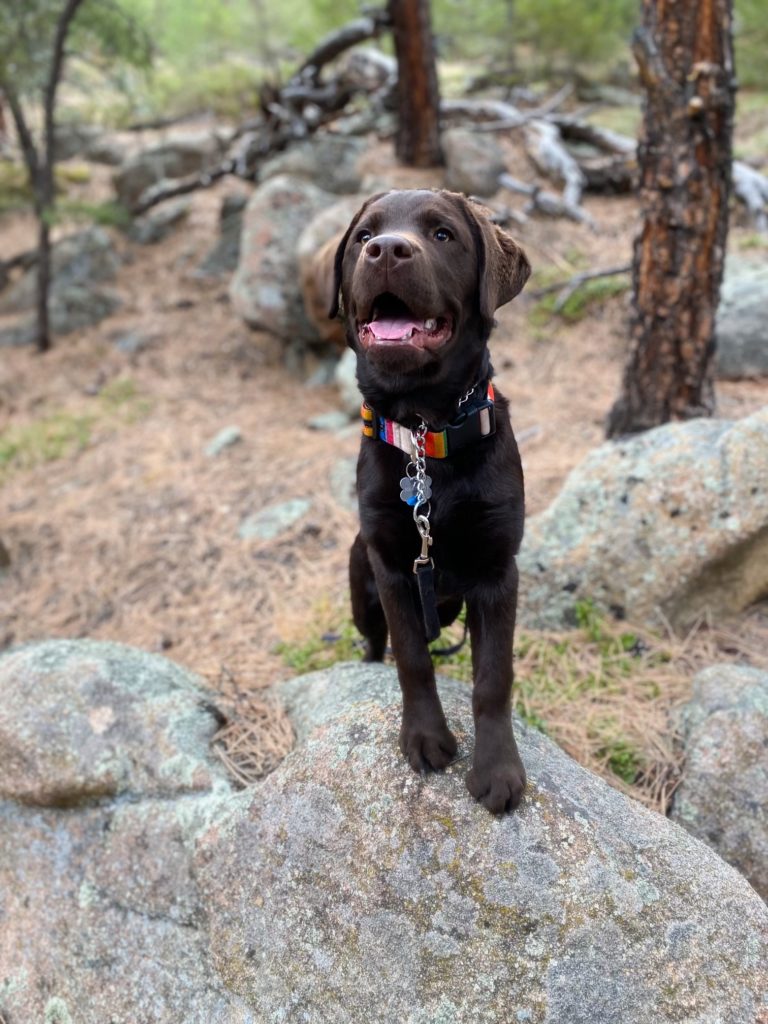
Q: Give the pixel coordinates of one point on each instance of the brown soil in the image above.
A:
(134, 536)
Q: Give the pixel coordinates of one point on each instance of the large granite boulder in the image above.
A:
(266, 290)
(387, 896)
(672, 523)
(723, 796)
(742, 324)
(135, 885)
(177, 156)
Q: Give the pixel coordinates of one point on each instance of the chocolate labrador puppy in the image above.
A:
(421, 274)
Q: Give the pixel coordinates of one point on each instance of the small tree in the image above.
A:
(418, 101)
(34, 35)
(685, 53)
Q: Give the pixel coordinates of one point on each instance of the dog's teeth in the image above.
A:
(430, 325)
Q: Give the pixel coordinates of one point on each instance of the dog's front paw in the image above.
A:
(427, 743)
(497, 779)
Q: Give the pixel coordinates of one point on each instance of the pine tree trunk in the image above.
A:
(417, 142)
(685, 53)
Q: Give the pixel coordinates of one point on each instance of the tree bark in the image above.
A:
(417, 142)
(684, 50)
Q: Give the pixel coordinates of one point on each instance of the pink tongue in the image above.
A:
(394, 328)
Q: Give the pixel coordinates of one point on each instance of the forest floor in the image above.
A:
(120, 527)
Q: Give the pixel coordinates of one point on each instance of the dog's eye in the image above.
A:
(443, 235)
(363, 236)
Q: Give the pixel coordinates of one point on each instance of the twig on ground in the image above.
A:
(567, 288)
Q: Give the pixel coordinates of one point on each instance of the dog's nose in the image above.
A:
(388, 248)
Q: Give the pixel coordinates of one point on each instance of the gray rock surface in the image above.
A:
(391, 897)
(273, 520)
(473, 162)
(225, 438)
(78, 261)
(107, 779)
(723, 797)
(154, 227)
(329, 161)
(136, 886)
(179, 155)
(674, 520)
(742, 321)
(265, 290)
(223, 257)
(346, 381)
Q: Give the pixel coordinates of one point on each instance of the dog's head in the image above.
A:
(420, 274)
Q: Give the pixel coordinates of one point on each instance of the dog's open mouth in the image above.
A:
(393, 323)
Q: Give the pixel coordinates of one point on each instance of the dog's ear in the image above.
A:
(338, 259)
(503, 267)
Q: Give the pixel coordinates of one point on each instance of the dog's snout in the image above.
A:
(389, 248)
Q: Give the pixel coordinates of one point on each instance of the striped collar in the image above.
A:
(474, 421)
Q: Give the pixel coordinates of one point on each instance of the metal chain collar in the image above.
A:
(423, 491)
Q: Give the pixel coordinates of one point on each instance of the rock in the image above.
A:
(73, 138)
(70, 309)
(348, 889)
(179, 155)
(332, 421)
(329, 161)
(273, 520)
(106, 150)
(346, 382)
(343, 482)
(473, 162)
(5, 558)
(154, 227)
(80, 720)
(343, 888)
(131, 342)
(265, 289)
(674, 520)
(742, 330)
(223, 440)
(316, 252)
(723, 797)
(107, 779)
(77, 261)
(223, 257)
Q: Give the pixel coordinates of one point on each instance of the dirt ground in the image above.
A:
(132, 533)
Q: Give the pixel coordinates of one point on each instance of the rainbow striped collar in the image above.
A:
(473, 422)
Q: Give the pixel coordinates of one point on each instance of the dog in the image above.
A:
(418, 276)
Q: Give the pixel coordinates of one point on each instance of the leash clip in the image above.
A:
(426, 542)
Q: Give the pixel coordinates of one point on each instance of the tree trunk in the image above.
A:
(417, 142)
(684, 50)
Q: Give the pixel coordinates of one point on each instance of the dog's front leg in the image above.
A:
(425, 738)
(497, 776)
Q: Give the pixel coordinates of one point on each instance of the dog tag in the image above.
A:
(408, 489)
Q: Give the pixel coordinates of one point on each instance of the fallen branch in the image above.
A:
(751, 188)
(170, 188)
(545, 202)
(567, 288)
(334, 44)
(545, 148)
